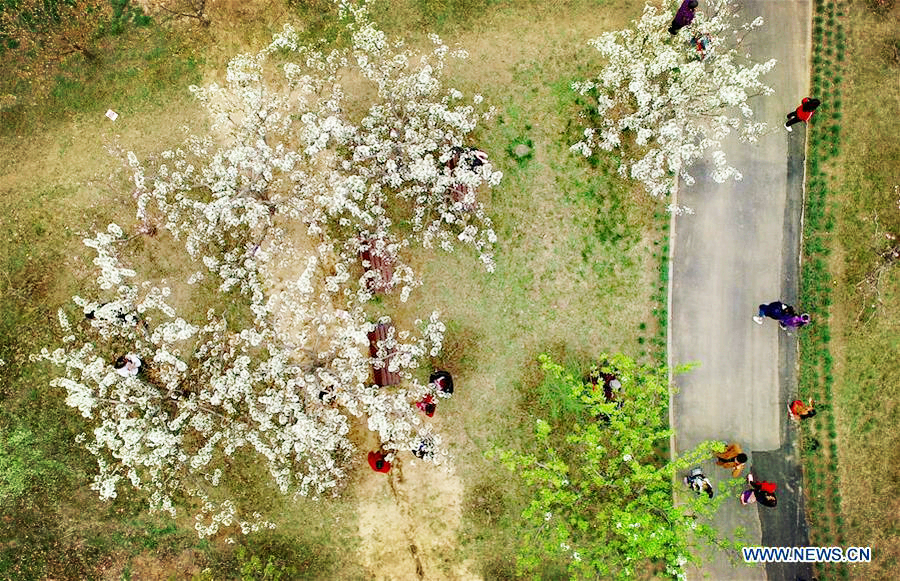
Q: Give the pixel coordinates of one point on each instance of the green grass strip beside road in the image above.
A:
(819, 435)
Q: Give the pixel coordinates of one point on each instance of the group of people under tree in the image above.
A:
(443, 383)
(130, 365)
(471, 158)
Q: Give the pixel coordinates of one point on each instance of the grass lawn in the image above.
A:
(577, 274)
(867, 303)
(854, 500)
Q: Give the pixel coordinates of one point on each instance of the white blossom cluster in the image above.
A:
(305, 313)
(291, 150)
(662, 106)
(280, 201)
(209, 391)
(111, 273)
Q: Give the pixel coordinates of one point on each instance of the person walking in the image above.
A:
(794, 321)
(732, 457)
(683, 17)
(775, 310)
(806, 109)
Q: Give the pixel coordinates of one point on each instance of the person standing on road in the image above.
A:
(803, 112)
(732, 457)
(762, 492)
(776, 310)
(684, 16)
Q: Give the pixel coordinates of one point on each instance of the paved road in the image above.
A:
(740, 249)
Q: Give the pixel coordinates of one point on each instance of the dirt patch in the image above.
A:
(408, 522)
(150, 567)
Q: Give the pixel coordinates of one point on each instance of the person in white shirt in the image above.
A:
(128, 365)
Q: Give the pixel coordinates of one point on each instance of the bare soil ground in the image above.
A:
(409, 521)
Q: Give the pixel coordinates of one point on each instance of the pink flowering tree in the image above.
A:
(662, 103)
(277, 203)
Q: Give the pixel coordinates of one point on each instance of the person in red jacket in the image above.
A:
(762, 492)
(427, 405)
(800, 410)
(803, 112)
(378, 463)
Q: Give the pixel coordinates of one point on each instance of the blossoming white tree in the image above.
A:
(662, 102)
(278, 202)
(289, 147)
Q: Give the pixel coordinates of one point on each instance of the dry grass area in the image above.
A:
(866, 312)
(576, 270)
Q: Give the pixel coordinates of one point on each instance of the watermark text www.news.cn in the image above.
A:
(807, 554)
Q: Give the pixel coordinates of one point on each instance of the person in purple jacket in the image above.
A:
(794, 321)
(684, 16)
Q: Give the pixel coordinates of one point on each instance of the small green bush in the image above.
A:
(125, 14)
(23, 464)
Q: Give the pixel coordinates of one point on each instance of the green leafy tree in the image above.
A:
(603, 494)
